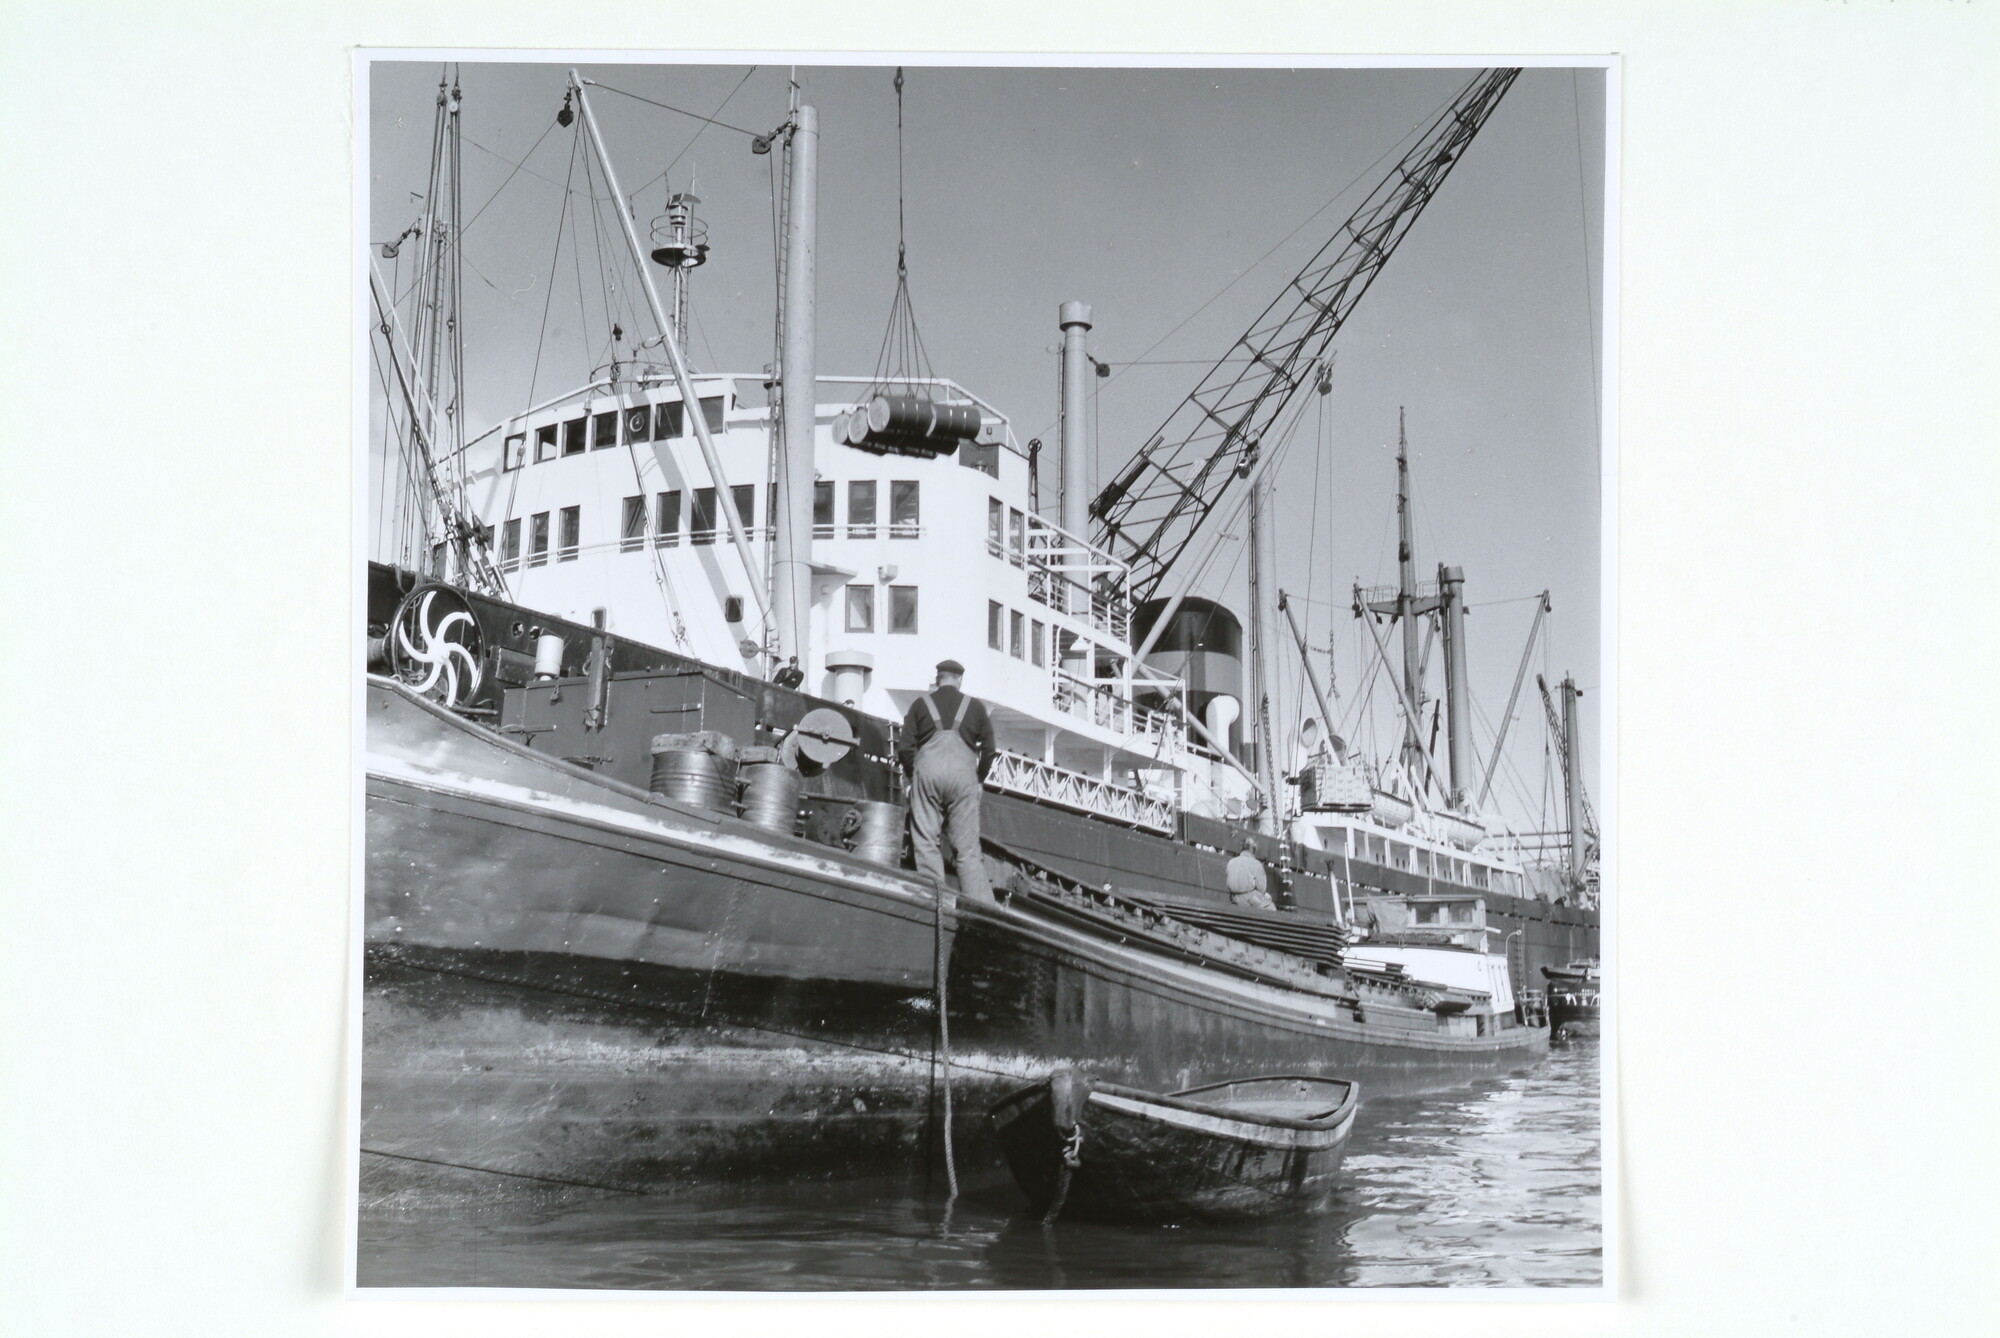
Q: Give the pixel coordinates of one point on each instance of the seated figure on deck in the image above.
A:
(1248, 883)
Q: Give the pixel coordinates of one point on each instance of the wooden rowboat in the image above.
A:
(1258, 1147)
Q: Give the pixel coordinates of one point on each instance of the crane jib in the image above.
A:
(1152, 509)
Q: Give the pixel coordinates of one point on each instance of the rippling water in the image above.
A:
(1493, 1185)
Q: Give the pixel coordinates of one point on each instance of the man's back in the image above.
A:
(971, 721)
(1246, 874)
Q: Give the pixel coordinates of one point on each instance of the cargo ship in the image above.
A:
(639, 911)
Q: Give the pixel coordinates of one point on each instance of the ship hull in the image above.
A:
(567, 981)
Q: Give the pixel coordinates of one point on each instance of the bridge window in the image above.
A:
(669, 421)
(823, 509)
(667, 519)
(711, 412)
(1017, 541)
(701, 520)
(996, 626)
(903, 609)
(604, 429)
(745, 497)
(569, 534)
(904, 516)
(538, 539)
(510, 544)
(515, 454)
(860, 608)
(996, 514)
(545, 442)
(1017, 634)
(861, 509)
(639, 422)
(632, 525)
(574, 432)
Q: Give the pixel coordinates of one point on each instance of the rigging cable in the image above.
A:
(902, 359)
(681, 111)
(562, 218)
(709, 119)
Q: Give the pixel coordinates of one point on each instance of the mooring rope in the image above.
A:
(1072, 1157)
(938, 974)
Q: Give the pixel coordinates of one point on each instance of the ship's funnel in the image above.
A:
(1202, 645)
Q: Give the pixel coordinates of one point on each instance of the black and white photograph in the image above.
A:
(999, 670)
(984, 676)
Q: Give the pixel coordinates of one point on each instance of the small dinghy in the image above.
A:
(1258, 1147)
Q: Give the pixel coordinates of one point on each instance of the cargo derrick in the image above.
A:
(1150, 513)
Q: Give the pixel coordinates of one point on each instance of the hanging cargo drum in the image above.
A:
(697, 769)
(908, 425)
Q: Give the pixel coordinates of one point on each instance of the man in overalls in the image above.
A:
(947, 749)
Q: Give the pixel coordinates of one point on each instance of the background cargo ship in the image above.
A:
(582, 964)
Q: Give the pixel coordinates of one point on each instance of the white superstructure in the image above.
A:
(603, 500)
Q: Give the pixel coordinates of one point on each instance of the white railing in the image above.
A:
(1051, 784)
(1389, 594)
(1102, 703)
(1061, 568)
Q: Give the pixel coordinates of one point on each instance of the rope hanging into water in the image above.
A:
(939, 965)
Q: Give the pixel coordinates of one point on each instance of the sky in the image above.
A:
(1176, 203)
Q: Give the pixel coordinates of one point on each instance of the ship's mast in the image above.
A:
(1573, 779)
(1263, 576)
(1406, 602)
(792, 509)
(1407, 607)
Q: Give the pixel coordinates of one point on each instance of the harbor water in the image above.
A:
(1492, 1185)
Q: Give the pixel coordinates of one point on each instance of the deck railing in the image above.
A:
(1066, 573)
(1100, 702)
(1051, 784)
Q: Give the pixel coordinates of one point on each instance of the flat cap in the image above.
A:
(951, 667)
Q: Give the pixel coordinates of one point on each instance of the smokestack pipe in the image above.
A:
(1076, 470)
(1458, 732)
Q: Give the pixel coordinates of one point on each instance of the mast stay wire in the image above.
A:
(708, 120)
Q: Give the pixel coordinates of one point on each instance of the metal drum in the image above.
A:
(694, 776)
(875, 832)
(771, 793)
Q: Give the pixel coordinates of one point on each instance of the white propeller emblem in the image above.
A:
(437, 653)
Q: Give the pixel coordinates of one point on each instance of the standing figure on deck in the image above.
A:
(947, 749)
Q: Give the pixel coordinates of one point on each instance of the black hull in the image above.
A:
(1574, 1001)
(565, 981)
